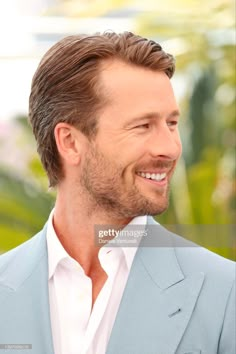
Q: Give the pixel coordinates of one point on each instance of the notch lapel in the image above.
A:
(157, 302)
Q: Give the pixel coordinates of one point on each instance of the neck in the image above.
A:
(74, 222)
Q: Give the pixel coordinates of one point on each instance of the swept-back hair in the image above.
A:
(66, 88)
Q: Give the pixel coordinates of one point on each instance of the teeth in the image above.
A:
(153, 176)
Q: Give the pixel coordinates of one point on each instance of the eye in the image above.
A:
(143, 126)
(172, 123)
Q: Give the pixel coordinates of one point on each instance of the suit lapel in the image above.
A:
(157, 302)
(154, 312)
(25, 309)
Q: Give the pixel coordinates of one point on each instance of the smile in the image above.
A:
(153, 176)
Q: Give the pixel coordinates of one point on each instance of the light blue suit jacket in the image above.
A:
(178, 299)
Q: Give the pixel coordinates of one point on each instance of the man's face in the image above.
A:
(129, 164)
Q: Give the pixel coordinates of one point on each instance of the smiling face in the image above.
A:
(129, 164)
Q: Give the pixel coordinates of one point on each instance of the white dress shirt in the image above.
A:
(77, 328)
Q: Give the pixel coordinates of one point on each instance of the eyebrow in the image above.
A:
(151, 115)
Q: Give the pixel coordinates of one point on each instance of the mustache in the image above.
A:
(157, 164)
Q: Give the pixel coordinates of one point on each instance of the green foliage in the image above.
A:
(24, 208)
(199, 34)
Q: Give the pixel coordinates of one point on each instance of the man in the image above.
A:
(106, 123)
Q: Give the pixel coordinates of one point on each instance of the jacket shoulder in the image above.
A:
(19, 262)
(193, 257)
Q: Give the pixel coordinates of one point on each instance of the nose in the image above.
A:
(165, 143)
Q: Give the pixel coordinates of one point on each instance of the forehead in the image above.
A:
(130, 85)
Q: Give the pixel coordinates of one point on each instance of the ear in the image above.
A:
(68, 143)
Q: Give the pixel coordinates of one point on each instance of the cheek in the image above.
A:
(128, 154)
(134, 156)
(130, 165)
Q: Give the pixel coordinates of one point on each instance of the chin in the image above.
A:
(154, 208)
(158, 211)
(159, 207)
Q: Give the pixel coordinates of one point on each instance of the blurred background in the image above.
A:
(201, 35)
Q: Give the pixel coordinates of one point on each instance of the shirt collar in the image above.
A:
(57, 253)
(137, 224)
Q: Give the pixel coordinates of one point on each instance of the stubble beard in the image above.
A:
(102, 182)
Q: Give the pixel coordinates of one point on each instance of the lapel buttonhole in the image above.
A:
(174, 313)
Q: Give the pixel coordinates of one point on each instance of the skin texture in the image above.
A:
(137, 132)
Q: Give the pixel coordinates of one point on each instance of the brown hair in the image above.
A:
(65, 87)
